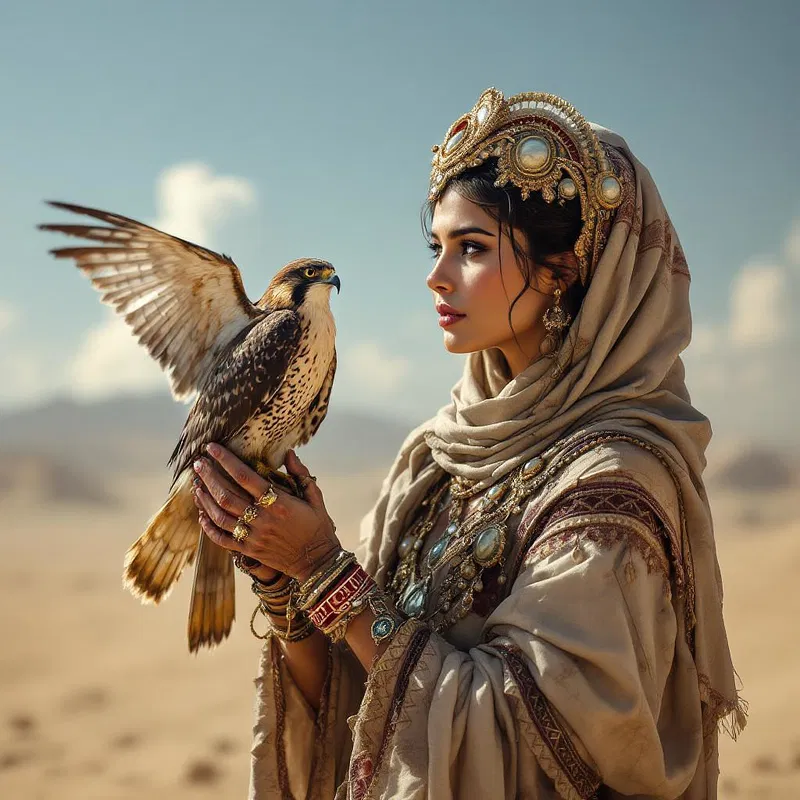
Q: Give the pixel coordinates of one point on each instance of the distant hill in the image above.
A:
(37, 478)
(139, 433)
(754, 468)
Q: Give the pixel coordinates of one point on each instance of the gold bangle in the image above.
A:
(289, 634)
(309, 598)
(338, 630)
(324, 571)
(277, 588)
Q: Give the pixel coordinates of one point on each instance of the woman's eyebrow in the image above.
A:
(464, 232)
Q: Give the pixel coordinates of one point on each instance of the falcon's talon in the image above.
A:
(281, 479)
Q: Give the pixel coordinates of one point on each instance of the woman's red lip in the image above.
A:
(443, 309)
(446, 320)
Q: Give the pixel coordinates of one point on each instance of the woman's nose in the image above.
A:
(437, 279)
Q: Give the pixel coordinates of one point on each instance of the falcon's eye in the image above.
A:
(310, 272)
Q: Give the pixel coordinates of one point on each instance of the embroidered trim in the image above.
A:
(679, 264)
(596, 508)
(398, 661)
(361, 772)
(280, 724)
(583, 780)
(680, 549)
(605, 511)
(629, 211)
(605, 530)
(652, 237)
(413, 653)
(319, 759)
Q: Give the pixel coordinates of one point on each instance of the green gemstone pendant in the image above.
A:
(415, 600)
(437, 551)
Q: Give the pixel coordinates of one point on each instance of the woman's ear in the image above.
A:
(557, 271)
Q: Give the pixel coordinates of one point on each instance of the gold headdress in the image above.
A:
(542, 144)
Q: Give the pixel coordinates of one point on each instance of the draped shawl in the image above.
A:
(619, 372)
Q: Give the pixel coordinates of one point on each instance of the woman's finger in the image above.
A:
(311, 492)
(228, 497)
(225, 540)
(221, 518)
(217, 535)
(243, 475)
(223, 479)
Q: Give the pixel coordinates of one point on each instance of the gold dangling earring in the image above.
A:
(555, 319)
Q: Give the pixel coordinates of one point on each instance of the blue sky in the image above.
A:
(305, 129)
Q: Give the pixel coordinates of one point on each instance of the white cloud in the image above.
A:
(370, 370)
(744, 372)
(760, 310)
(192, 202)
(705, 339)
(22, 364)
(109, 361)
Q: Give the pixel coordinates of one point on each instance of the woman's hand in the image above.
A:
(291, 535)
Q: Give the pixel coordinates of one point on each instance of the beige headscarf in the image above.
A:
(618, 370)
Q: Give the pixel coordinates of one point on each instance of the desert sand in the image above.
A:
(99, 698)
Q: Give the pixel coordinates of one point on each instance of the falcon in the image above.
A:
(261, 374)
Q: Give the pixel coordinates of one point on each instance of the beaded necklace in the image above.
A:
(479, 541)
(467, 546)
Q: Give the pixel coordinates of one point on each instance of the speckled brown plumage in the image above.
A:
(262, 374)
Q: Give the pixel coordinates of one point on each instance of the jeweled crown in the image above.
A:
(542, 144)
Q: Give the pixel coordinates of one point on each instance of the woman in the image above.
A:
(551, 624)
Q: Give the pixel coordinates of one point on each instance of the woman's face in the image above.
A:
(474, 279)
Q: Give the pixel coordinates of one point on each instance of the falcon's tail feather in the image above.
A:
(156, 559)
(212, 609)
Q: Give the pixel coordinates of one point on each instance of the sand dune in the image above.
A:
(100, 698)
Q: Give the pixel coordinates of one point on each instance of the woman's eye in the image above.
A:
(468, 248)
(471, 248)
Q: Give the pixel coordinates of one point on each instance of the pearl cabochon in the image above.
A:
(534, 154)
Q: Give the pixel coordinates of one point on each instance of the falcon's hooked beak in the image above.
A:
(333, 279)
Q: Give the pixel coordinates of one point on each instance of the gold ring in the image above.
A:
(241, 531)
(249, 514)
(268, 498)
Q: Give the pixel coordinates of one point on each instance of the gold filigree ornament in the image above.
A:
(542, 144)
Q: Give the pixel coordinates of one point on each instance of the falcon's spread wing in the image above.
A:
(245, 379)
(184, 303)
